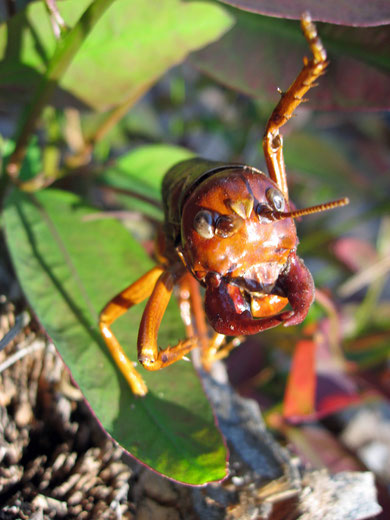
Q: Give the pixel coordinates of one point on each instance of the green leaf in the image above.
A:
(69, 267)
(324, 163)
(141, 172)
(130, 47)
(32, 165)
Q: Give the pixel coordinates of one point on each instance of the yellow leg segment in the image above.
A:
(135, 293)
(149, 354)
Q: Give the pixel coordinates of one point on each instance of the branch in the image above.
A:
(67, 48)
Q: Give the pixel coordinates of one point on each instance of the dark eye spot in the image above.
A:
(275, 198)
(276, 142)
(203, 224)
(227, 225)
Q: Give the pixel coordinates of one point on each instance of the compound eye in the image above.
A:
(227, 225)
(275, 198)
(203, 224)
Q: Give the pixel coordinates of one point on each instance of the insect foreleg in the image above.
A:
(289, 101)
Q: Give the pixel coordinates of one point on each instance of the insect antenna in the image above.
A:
(279, 215)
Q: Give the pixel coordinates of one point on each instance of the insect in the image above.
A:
(229, 228)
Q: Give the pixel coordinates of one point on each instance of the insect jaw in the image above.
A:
(248, 295)
(251, 288)
(264, 300)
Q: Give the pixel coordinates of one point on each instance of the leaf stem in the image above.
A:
(66, 49)
(82, 156)
(59, 26)
(118, 112)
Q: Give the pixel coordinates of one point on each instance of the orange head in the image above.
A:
(228, 230)
(238, 238)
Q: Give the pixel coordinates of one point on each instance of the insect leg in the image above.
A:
(186, 305)
(149, 354)
(135, 293)
(219, 348)
(216, 347)
(312, 69)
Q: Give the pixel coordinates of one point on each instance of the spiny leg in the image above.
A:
(149, 354)
(312, 69)
(135, 293)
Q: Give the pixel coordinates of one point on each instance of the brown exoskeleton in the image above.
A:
(230, 229)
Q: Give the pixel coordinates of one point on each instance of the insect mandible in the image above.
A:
(229, 228)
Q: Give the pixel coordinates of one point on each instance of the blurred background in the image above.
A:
(324, 386)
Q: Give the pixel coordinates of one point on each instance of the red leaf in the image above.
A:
(260, 54)
(318, 447)
(333, 403)
(342, 12)
(300, 392)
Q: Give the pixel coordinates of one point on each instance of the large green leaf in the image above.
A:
(130, 47)
(141, 172)
(260, 54)
(69, 268)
